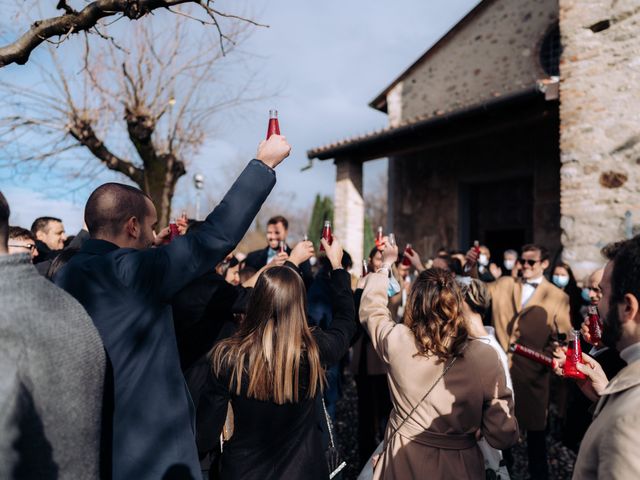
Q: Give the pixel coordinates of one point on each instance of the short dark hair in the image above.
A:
(246, 273)
(5, 212)
(373, 252)
(17, 233)
(279, 219)
(111, 205)
(625, 276)
(532, 247)
(347, 262)
(41, 224)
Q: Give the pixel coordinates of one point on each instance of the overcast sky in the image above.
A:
(328, 60)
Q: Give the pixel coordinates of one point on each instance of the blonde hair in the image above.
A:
(271, 342)
(477, 297)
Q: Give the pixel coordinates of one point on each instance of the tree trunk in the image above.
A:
(160, 178)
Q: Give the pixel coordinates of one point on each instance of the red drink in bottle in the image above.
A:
(595, 325)
(379, 235)
(326, 234)
(173, 231)
(574, 357)
(472, 263)
(532, 355)
(282, 248)
(406, 261)
(274, 126)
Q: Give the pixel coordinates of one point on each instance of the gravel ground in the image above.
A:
(561, 459)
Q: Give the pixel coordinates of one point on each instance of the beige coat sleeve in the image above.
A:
(563, 316)
(499, 424)
(618, 452)
(374, 313)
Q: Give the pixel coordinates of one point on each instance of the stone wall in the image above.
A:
(600, 132)
(492, 52)
(426, 192)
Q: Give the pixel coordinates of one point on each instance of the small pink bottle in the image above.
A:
(379, 237)
(595, 325)
(574, 357)
(326, 234)
(406, 261)
(274, 125)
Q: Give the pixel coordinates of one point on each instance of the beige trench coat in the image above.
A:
(609, 449)
(439, 440)
(545, 314)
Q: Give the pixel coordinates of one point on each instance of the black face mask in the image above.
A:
(612, 328)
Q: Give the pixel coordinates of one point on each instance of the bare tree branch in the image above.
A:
(167, 85)
(63, 5)
(86, 19)
(83, 132)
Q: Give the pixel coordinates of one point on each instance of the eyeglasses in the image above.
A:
(529, 262)
(28, 246)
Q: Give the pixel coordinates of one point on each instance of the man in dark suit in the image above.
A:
(277, 231)
(127, 288)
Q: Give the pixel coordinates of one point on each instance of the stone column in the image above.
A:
(348, 216)
(599, 127)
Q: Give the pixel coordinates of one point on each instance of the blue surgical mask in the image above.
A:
(561, 281)
(585, 295)
(394, 287)
(509, 264)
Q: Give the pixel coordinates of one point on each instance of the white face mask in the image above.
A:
(483, 260)
(509, 264)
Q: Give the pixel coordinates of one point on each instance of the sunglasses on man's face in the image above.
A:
(529, 262)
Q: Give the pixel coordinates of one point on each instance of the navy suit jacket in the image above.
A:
(127, 293)
(258, 259)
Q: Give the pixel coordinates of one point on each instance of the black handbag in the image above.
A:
(334, 461)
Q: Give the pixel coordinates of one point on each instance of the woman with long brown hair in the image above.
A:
(272, 372)
(447, 389)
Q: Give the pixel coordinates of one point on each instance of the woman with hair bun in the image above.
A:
(447, 388)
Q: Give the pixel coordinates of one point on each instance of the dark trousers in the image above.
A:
(374, 405)
(537, 452)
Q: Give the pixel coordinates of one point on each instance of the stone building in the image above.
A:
(516, 126)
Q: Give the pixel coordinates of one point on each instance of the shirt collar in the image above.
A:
(98, 247)
(631, 353)
(537, 281)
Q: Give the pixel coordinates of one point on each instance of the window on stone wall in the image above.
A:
(550, 51)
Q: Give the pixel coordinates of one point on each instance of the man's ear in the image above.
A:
(40, 235)
(545, 264)
(132, 227)
(629, 309)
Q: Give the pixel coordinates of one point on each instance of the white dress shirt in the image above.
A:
(528, 290)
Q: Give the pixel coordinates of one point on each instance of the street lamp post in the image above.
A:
(198, 182)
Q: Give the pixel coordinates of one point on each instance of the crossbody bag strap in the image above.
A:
(446, 369)
(328, 421)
